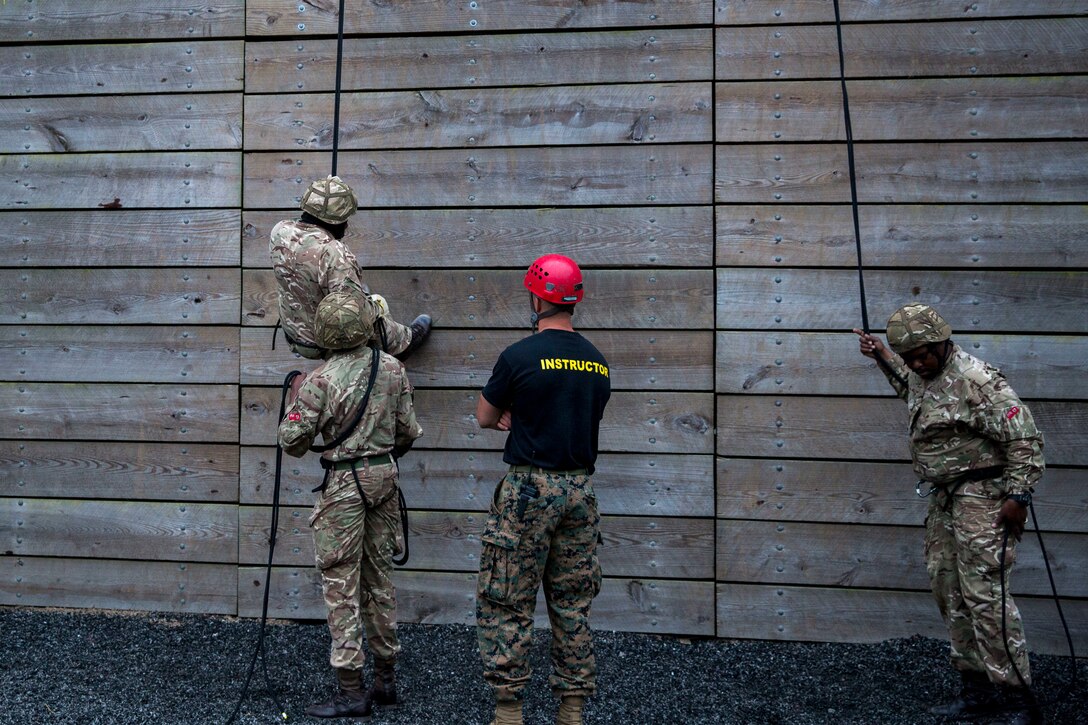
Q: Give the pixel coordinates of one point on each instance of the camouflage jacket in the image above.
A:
(969, 418)
(309, 264)
(329, 399)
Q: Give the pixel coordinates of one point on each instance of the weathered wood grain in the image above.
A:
(137, 585)
(555, 175)
(119, 354)
(967, 236)
(870, 428)
(125, 471)
(166, 180)
(873, 557)
(815, 363)
(115, 296)
(665, 547)
(757, 12)
(479, 118)
(115, 238)
(641, 299)
(662, 422)
(860, 615)
(76, 124)
(971, 301)
(199, 66)
(655, 360)
(655, 606)
(909, 110)
(287, 17)
(143, 530)
(443, 61)
(113, 411)
(54, 20)
(673, 236)
(855, 492)
(625, 484)
(780, 173)
(1022, 46)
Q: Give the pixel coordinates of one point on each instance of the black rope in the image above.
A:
(336, 97)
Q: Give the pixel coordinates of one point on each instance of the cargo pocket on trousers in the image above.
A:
(498, 565)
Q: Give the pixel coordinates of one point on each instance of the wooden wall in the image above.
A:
(689, 154)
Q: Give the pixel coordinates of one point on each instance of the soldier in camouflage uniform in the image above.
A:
(310, 261)
(549, 391)
(976, 448)
(355, 521)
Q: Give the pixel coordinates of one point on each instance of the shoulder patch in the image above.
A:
(1012, 412)
(294, 416)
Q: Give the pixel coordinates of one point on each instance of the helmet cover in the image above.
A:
(915, 325)
(344, 320)
(330, 200)
(556, 279)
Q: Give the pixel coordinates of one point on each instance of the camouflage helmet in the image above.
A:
(915, 325)
(344, 320)
(330, 200)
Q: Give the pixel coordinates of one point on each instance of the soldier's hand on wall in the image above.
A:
(1014, 515)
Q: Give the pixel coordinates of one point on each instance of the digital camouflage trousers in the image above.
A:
(963, 560)
(553, 542)
(354, 544)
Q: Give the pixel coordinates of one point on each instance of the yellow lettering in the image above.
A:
(547, 364)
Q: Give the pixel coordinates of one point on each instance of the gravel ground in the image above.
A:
(65, 666)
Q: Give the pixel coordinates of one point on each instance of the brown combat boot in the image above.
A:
(570, 710)
(977, 696)
(384, 691)
(349, 701)
(421, 328)
(507, 712)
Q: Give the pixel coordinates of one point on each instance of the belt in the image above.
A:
(379, 460)
(974, 475)
(549, 472)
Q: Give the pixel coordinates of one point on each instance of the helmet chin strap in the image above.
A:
(536, 317)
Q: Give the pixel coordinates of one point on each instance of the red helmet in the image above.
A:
(556, 279)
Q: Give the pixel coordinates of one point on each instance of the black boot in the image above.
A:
(349, 701)
(977, 696)
(384, 691)
(421, 328)
(1021, 707)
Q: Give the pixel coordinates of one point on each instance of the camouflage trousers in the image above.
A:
(963, 559)
(354, 544)
(555, 542)
(396, 339)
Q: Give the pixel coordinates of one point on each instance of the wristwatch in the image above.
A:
(1024, 499)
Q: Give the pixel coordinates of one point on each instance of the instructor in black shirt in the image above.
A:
(549, 391)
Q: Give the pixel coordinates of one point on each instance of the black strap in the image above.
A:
(336, 98)
(348, 430)
(404, 527)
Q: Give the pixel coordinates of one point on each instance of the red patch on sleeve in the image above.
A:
(294, 416)
(1012, 412)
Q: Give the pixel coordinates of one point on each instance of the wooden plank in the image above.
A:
(126, 471)
(641, 299)
(189, 413)
(81, 20)
(115, 238)
(659, 422)
(654, 606)
(873, 493)
(479, 118)
(75, 124)
(131, 296)
(632, 485)
(115, 180)
(777, 173)
(972, 301)
(667, 547)
(902, 50)
(119, 354)
(443, 61)
(870, 428)
(817, 363)
(138, 585)
(655, 360)
(280, 17)
(660, 236)
(120, 529)
(968, 236)
(747, 12)
(910, 109)
(192, 66)
(859, 615)
(873, 557)
(557, 175)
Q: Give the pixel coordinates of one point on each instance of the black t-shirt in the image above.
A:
(555, 384)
